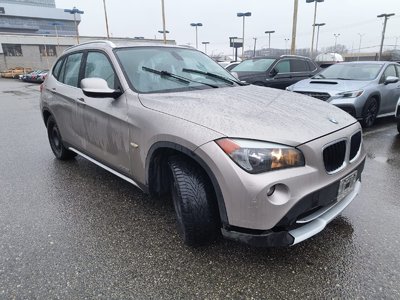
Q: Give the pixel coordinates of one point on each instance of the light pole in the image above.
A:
(196, 25)
(205, 46)
(164, 33)
(336, 35)
(359, 45)
(106, 18)
(395, 45)
(286, 48)
(75, 11)
(243, 15)
(163, 22)
(294, 27)
(318, 25)
(269, 32)
(255, 45)
(55, 24)
(315, 19)
(386, 16)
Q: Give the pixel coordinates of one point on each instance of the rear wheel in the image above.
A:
(194, 201)
(398, 126)
(370, 111)
(55, 141)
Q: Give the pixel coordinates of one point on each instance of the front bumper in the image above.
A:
(297, 232)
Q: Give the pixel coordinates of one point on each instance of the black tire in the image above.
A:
(195, 203)
(398, 126)
(55, 141)
(370, 111)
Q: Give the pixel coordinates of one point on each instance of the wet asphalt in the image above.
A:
(70, 230)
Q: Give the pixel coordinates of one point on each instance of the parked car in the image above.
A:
(397, 114)
(15, 72)
(366, 90)
(31, 77)
(262, 166)
(230, 66)
(276, 72)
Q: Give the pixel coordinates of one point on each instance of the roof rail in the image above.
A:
(292, 55)
(111, 44)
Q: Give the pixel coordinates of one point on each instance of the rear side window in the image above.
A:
(98, 65)
(311, 66)
(70, 70)
(298, 65)
(57, 67)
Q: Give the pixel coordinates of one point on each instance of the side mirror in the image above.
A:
(98, 88)
(273, 72)
(391, 79)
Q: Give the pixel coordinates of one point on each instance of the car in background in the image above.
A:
(397, 114)
(15, 72)
(366, 90)
(230, 66)
(37, 76)
(236, 159)
(276, 72)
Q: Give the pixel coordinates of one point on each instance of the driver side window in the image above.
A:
(98, 65)
(390, 71)
(283, 66)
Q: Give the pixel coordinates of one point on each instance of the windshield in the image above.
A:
(163, 69)
(254, 65)
(351, 72)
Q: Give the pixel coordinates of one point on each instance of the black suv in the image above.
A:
(276, 72)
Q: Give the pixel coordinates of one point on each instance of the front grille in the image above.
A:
(355, 144)
(334, 156)
(320, 96)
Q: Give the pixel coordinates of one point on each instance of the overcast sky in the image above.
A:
(129, 18)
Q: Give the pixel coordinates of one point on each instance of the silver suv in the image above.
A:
(262, 166)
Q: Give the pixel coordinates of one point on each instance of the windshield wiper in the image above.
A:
(177, 77)
(220, 77)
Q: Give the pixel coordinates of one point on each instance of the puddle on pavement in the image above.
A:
(16, 93)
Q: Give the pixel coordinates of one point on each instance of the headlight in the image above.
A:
(352, 94)
(290, 88)
(258, 157)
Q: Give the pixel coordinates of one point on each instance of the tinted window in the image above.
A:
(398, 70)
(283, 66)
(390, 71)
(70, 71)
(311, 66)
(57, 67)
(98, 65)
(254, 65)
(298, 65)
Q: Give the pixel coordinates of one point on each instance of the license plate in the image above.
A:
(346, 185)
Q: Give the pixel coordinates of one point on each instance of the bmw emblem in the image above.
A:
(333, 120)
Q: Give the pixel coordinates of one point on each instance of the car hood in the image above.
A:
(253, 112)
(329, 85)
(249, 75)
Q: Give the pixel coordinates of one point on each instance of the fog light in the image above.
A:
(271, 191)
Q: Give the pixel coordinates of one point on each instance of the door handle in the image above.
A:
(80, 100)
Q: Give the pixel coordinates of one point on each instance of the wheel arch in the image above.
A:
(46, 114)
(156, 173)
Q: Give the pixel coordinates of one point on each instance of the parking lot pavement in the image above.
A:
(71, 230)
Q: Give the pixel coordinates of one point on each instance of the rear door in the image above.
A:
(103, 121)
(300, 69)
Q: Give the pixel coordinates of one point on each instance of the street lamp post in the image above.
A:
(163, 22)
(106, 18)
(386, 16)
(359, 46)
(55, 24)
(243, 15)
(286, 48)
(255, 45)
(269, 39)
(205, 46)
(315, 19)
(336, 35)
(164, 33)
(75, 11)
(197, 37)
(318, 25)
(294, 27)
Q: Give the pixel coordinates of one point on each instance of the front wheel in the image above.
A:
(195, 203)
(398, 126)
(370, 111)
(55, 141)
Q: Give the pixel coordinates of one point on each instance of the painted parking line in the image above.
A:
(379, 130)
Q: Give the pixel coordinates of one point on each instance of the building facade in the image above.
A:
(36, 17)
